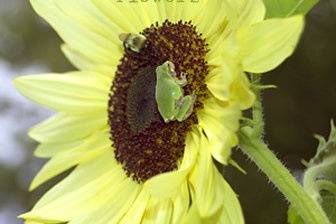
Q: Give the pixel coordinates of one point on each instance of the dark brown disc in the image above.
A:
(144, 144)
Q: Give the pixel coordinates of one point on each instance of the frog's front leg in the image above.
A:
(186, 106)
(183, 80)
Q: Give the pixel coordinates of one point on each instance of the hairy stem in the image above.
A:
(309, 209)
(252, 144)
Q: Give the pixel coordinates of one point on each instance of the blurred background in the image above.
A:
(302, 105)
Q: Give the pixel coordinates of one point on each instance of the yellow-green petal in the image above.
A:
(114, 206)
(85, 190)
(244, 12)
(65, 128)
(122, 14)
(158, 211)
(206, 183)
(137, 209)
(219, 82)
(231, 211)
(213, 197)
(241, 92)
(92, 147)
(211, 22)
(220, 122)
(180, 204)
(33, 222)
(76, 92)
(193, 216)
(83, 63)
(83, 27)
(77, 59)
(267, 44)
(187, 11)
(47, 150)
(88, 16)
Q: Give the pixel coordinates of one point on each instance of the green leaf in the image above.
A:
(319, 178)
(285, 8)
(293, 217)
(329, 205)
(327, 193)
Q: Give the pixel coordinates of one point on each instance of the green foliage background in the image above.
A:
(284, 8)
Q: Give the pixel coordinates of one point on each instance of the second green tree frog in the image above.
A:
(169, 94)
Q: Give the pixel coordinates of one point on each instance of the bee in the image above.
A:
(133, 42)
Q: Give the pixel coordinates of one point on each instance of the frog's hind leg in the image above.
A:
(186, 107)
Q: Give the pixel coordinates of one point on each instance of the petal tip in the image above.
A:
(18, 82)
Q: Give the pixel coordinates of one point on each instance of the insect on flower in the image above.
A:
(134, 42)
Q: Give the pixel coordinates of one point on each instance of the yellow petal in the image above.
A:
(220, 122)
(241, 92)
(224, 49)
(92, 147)
(85, 190)
(81, 92)
(77, 59)
(206, 183)
(81, 62)
(219, 82)
(83, 27)
(245, 12)
(231, 211)
(32, 222)
(82, 175)
(209, 21)
(180, 204)
(158, 211)
(237, 14)
(64, 128)
(36, 222)
(47, 150)
(192, 216)
(212, 196)
(136, 211)
(145, 13)
(74, 204)
(267, 44)
(185, 11)
(130, 17)
(114, 205)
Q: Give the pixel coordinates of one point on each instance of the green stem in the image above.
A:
(258, 116)
(252, 144)
(309, 209)
(257, 112)
(327, 169)
(326, 185)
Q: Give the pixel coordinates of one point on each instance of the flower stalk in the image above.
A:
(253, 146)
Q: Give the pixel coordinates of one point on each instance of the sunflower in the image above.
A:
(130, 166)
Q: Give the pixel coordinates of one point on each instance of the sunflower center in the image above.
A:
(144, 144)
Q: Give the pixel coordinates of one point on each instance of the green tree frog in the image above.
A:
(134, 42)
(169, 94)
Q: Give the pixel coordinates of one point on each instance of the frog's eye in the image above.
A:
(171, 66)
